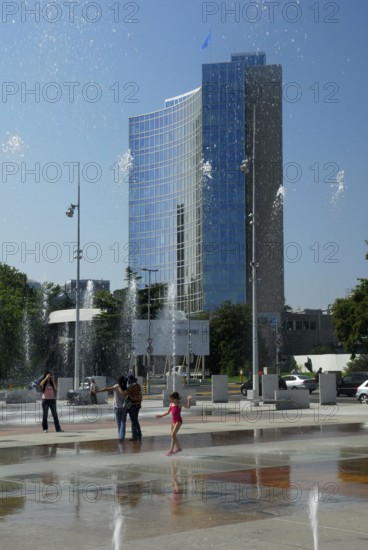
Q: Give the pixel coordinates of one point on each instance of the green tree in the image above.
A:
(112, 335)
(14, 296)
(231, 339)
(321, 350)
(38, 329)
(350, 318)
(358, 364)
(50, 350)
(157, 296)
(55, 297)
(109, 331)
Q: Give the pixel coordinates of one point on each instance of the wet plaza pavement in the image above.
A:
(246, 480)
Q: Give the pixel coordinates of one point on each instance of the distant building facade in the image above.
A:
(190, 206)
(87, 289)
(306, 329)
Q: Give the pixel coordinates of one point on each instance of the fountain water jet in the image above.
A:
(118, 525)
(169, 314)
(65, 342)
(129, 315)
(26, 326)
(313, 514)
(86, 333)
(171, 304)
(338, 188)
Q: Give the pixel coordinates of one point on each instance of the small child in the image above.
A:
(175, 410)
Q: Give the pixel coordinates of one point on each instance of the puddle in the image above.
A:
(238, 477)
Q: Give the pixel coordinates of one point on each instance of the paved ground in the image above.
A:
(246, 478)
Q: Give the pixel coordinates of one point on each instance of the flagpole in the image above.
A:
(210, 33)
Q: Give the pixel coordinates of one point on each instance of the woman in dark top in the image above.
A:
(135, 395)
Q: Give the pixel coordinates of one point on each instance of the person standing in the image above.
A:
(93, 391)
(134, 391)
(318, 374)
(120, 392)
(48, 386)
(175, 410)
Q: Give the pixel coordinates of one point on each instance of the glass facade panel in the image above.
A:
(167, 183)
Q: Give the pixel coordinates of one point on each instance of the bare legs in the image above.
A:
(174, 440)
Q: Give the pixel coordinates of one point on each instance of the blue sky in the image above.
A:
(93, 66)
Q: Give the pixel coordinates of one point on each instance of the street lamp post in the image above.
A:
(132, 282)
(245, 169)
(149, 339)
(189, 340)
(77, 256)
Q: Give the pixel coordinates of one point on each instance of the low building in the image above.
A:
(305, 329)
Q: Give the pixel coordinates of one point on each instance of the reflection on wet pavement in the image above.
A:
(220, 479)
(190, 441)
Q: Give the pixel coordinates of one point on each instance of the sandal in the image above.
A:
(177, 451)
(169, 453)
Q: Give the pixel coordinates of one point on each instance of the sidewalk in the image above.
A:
(246, 478)
(90, 423)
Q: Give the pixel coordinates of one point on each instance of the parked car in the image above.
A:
(300, 382)
(181, 370)
(349, 384)
(248, 385)
(85, 384)
(362, 393)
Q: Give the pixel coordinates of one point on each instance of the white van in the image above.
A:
(179, 370)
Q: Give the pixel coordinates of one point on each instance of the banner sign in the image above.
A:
(171, 337)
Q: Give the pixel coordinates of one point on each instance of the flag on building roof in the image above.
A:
(206, 41)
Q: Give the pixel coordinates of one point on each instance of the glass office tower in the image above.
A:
(224, 134)
(165, 196)
(189, 201)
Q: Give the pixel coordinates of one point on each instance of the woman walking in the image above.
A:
(175, 410)
(48, 386)
(93, 391)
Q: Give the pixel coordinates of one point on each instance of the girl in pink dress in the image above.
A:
(175, 410)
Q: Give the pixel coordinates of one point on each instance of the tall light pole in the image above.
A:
(149, 339)
(77, 256)
(132, 287)
(189, 339)
(245, 169)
